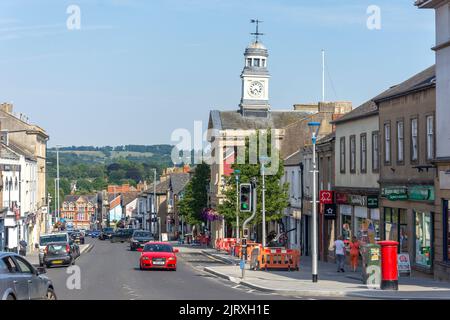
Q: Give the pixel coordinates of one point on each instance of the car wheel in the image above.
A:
(50, 294)
(10, 297)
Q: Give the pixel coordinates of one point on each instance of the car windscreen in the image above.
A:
(141, 234)
(108, 230)
(44, 240)
(158, 248)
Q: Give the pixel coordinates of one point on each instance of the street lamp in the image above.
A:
(263, 160)
(314, 130)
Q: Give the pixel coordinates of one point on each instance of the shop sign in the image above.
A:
(372, 202)
(329, 212)
(404, 263)
(341, 198)
(326, 197)
(357, 200)
(395, 193)
(421, 193)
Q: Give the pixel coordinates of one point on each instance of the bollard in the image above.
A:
(389, 265)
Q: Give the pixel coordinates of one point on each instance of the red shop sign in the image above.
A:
(326, 197)
(341, 198)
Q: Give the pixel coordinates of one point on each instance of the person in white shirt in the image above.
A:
(339, 247)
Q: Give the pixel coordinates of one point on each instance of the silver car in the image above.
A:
(19, 280)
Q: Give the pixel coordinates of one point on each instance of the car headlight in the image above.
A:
(171, 259)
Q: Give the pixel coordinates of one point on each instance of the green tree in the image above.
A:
(276, 195)
(195, 198)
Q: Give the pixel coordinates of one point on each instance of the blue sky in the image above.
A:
(138, 69)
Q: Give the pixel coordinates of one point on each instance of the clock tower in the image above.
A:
(255, 80)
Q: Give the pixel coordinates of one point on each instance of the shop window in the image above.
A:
(396, 227)
(347, 227)
(447, 230)
(423, 254)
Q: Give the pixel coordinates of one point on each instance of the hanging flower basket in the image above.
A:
(209, 214)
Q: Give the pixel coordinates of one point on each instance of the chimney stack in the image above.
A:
(6, 107)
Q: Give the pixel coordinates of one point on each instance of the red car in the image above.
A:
(158, 255)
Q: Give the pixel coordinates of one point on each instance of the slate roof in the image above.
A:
(223, 120)
(161, 187)
(420, 81)
(128, 197)
(293, 160)
(327, 138)
(178, 182)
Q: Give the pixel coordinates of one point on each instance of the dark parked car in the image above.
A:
(106, 233)
(122, 235)
(60, 254)
(77, 237)
(139, 238)
(19, 280)
(95, 233)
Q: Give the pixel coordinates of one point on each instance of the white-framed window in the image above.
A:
(430, 137)
(400, 142)
(256, 62)
(375, 152)
(352, 154)
(387, 142)
(249, 62)
(364, 153)
(342, 154)
(414, 142)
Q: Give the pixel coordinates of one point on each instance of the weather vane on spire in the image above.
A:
(257, 33)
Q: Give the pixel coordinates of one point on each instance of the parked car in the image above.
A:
(122, 235)
(49, 238)
(158, 255)
(19, 280)
(106, 233)
(77, 237)
(60, 254)
(139, 239)
(95, 233)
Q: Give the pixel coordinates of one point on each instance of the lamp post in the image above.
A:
(314, 129)
(236, 173)
(263, 160)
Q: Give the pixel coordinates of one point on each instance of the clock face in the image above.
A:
(256, 88)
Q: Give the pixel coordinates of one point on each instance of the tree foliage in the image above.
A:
(276, 194)
(195, 197)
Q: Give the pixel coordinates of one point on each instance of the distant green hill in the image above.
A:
(150, 154)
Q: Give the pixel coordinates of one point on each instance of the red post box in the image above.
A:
(389, 265)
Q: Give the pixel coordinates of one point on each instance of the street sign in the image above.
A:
(372, 202)
(326, 197)
(329, 212)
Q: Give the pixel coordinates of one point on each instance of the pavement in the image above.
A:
(330, 284)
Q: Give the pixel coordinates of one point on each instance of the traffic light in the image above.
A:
(245, 197)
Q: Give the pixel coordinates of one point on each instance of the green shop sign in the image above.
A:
(395, 193)
(421, 193)
(417, 193)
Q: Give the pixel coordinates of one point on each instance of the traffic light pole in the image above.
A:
(245, 231)
(237, 209)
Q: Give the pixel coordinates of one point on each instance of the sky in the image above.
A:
(136, 70)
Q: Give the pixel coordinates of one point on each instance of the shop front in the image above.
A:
(408, 218)
(359, 216)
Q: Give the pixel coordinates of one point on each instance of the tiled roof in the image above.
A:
(327, 138)
(128, 197)
(423, 79)
(178, 182)
(293, 160)
(223, 120)
(366, 109)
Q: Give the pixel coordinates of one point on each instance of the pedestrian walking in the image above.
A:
(339, 249)
(354, 253)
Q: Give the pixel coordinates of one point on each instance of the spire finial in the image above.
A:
(257, 33)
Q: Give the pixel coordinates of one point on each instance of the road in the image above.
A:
(110, 272)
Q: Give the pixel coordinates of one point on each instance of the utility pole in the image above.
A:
(323, 75)
(155, 206)
(245, 230)
(57, 180)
